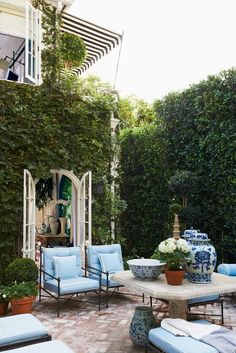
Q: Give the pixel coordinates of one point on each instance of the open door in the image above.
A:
(85, 210)
(28, 249)
(81, 217)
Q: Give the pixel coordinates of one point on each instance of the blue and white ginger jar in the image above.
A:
(202, 257)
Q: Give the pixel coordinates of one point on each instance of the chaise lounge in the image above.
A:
(162, 341)
(44, 347)
(21, 330)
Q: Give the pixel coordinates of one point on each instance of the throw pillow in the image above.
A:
(111, 262)
(65, 266)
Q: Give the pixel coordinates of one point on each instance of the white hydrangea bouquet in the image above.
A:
(174, 252)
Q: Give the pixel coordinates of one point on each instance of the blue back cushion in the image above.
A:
(50, 253)
(110, 262)
(94, 250)
(65, 266)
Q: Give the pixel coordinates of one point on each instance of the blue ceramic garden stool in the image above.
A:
(142, 322)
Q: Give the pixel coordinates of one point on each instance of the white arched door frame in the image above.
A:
(81, 210)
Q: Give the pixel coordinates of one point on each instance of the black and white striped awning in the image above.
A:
(98, 40)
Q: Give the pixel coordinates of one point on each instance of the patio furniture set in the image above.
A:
(62, 276)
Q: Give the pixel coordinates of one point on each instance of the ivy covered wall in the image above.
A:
(65, 125)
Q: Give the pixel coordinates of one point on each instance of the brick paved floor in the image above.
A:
(86, 330)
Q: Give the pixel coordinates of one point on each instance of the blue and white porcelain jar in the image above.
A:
(142, 322)
(202, 258)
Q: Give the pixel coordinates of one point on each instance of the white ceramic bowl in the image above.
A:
(146, 269)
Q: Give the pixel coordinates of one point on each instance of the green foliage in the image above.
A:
(144, 176)
(107, 207)
(134, 112)
(43, 192)
(66, 125)
(73, 50)
(199, 130)
(52, 62)
(4, 293)
(22, 270)
(23, 289)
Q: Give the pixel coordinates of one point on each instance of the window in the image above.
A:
(32, 50)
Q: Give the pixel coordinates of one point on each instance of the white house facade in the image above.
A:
(21, 39)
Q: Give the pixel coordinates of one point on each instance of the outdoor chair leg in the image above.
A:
(143, 297)
(151, 302)
(58, 307)
(222, 312)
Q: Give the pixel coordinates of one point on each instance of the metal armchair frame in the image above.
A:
(58, 296)
(115, 288)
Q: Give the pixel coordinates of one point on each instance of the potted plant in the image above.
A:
(22, 295)
(22, 276)
(174, 252)
(4, 299)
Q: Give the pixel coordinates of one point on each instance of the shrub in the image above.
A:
(22, 270)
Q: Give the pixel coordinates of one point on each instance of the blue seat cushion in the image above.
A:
(170, 343)
(203, 299)
(20, 327)
(227, 269)
(44, 347)
(73, 285)
(104, 280)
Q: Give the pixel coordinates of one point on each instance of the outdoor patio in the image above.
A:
(86, 330)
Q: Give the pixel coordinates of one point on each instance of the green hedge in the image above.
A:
(144, 187)
(43, 128)
(200, 131)
(195, 132)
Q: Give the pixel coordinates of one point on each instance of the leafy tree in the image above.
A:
(134, 112)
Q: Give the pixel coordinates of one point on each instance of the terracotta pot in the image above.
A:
(174, 277)
(22, 305)
(3, 308)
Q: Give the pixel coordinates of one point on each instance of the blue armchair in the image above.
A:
(106, 260)
(62, 276)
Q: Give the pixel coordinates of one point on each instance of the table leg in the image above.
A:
(178, 309)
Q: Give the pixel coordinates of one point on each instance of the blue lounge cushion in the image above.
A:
(20, 327)
(73, 285)
(227, 269)
(110, 262)
(170, 343)
(203, 299)
(44, 347)
(65, 266)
